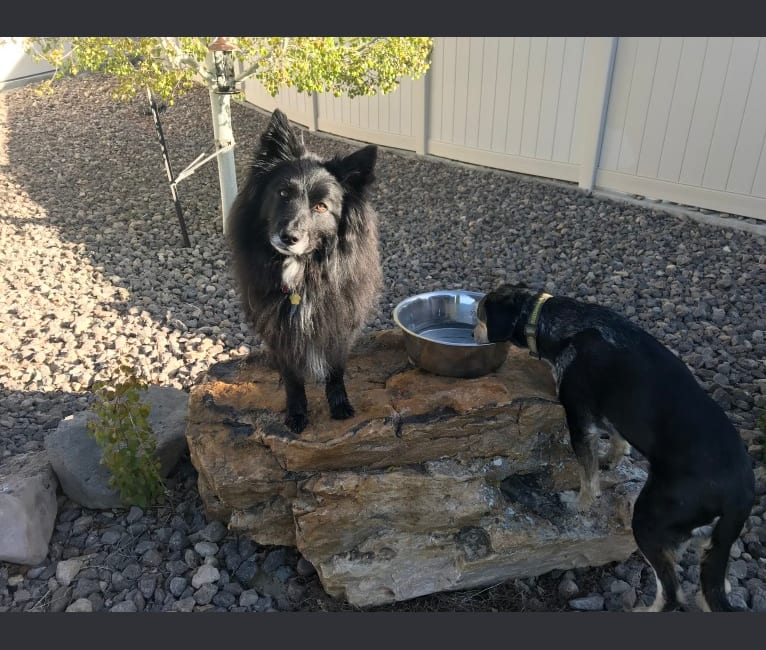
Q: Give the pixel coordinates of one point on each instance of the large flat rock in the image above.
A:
(435, 484)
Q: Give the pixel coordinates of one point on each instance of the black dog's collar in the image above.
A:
(530, 329)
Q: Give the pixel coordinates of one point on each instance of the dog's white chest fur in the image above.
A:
(292, 278)
(292, 270)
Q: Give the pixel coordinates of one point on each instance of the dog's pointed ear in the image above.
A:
(355, 171)
(279, 142)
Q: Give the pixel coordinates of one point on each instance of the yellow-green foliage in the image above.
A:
(170, 66)
(122, 430)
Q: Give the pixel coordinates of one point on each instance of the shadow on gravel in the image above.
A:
(93, 166)
(27, 416)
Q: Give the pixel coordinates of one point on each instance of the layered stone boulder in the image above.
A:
(435, 484)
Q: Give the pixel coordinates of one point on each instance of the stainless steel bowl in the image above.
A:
(438, 334)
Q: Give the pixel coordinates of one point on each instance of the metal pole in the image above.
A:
(220, 107)
(168, 169)
(221, 64)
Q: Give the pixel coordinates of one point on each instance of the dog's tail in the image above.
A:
(716, 559)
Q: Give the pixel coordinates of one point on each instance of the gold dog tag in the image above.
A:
(295, 300)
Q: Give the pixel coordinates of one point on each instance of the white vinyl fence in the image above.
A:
(675, 118)
(17, 68)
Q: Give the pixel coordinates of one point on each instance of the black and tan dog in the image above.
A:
(613, 377)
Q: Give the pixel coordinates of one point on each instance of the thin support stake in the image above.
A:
(168, 168)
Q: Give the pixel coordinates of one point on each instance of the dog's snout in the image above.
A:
(288, 238)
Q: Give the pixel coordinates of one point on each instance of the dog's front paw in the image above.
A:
(296, 422)
(584, 501)
(342, 410)
(586, 498)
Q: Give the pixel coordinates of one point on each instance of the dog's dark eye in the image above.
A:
(284, 194)
(320, 207)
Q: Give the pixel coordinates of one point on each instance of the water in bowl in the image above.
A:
(451, 333)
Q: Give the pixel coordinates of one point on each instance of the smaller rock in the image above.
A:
(15, 581)
(206, 549)
(134, 515)
(80, 605)
(185, 605)
(152, 558)
(22, 596)
(738, 569)
(591, 603)
(215, 531)
(97, 602)
(119, 582)
(759, 602)
(246, 571)
(76, 457)
(133, 571)
(147, 585)
(305, 568)
(190, 557)
(249, 598)
(619, 587)
(139, 600)
(60, 599)
(205, 594)
(568, 588)
(67, 570)
(28, 508)
(85, 588)
(296, 591)
(274, 560)
(629, 598)
(224, 599)
(124, 606)
(143, 546)
(36, 572)
(177, 585)
(738, 600)
(176, 567)
(178, 541)
(110, 537)
(205, 574)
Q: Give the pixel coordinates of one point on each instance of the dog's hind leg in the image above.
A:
(715, 561)
(297, 405)
(337, 398)
(658, 535)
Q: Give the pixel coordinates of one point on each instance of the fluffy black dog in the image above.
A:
(613, 377)
(305, 243)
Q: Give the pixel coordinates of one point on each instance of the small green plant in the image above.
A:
(122, 430)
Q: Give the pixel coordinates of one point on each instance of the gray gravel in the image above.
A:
(93, 274)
